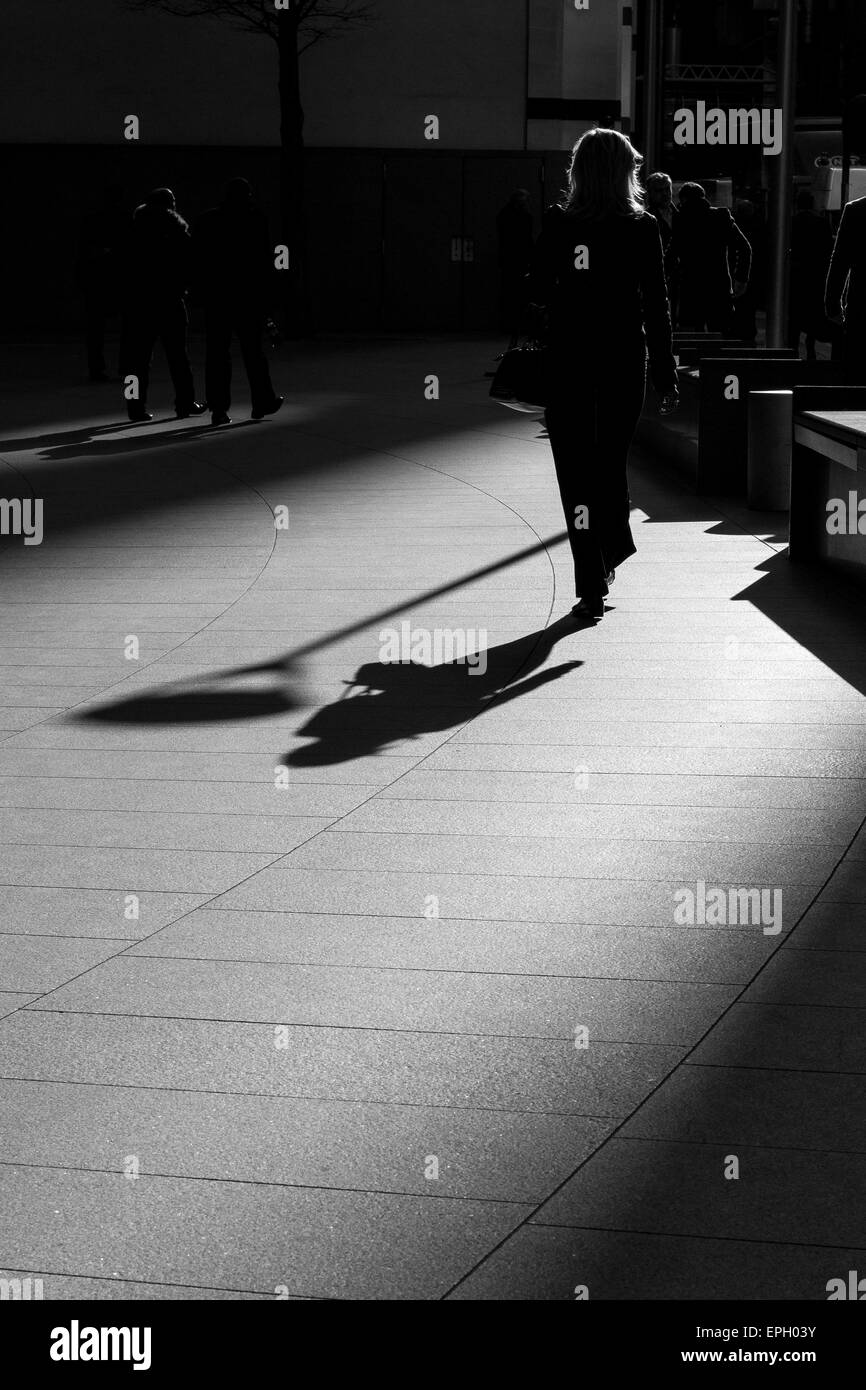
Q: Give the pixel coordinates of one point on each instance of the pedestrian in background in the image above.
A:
(714, 260)
(845, 291)
(233, 276)
(660, 202)
(744, 308)
(811, 249)
(156, 275)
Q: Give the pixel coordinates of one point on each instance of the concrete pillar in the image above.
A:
(782, 187)
(771, 441)
(652, 85)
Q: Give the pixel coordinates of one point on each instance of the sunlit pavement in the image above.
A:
(331, 978)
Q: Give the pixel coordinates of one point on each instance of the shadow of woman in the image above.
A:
(386, 704)
(382, 704)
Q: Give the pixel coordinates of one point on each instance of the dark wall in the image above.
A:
(78, 66)
(381, 225)
(57, 184)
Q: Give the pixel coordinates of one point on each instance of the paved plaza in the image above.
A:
(326, 977)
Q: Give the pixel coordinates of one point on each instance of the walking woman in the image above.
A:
(597, 269)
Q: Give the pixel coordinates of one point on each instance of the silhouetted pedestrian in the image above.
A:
(744, 309)
(514, 231)
(845, 292)
(714, 260)
(598, 269)
(811, 249)
(97, 270)
(660, 202)
(233, 270)
(156, 273)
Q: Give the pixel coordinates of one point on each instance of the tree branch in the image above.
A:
(314, 19)
(252, 16)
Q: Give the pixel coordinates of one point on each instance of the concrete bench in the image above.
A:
(723, 412)
(828, 489)
(689, 348)
(771, 436)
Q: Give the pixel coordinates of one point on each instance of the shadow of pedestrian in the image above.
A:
(149, 438)
(386, 704)
(69, 438)
(383, 703)
(135, 435)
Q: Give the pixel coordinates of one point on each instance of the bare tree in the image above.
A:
(293, 26)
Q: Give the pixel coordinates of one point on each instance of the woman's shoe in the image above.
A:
(592, 608)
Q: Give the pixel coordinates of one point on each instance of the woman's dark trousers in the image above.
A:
(591, 422)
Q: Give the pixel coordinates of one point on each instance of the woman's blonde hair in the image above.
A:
(603, 176)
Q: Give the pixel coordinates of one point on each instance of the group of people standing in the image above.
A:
(150, 266)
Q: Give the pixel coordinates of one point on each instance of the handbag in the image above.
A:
(522, 381)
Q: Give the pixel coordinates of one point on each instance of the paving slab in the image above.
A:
(834, 979)
(541, 1263)
(258, 769)
(848, 884)
(750, 1105)
(382, 1066)
(10, 1000)
(168, 830)
(127, 870)
(735, 1192)
(711, 955)
(36, 963)
(831, 926)
(600, 822)
(244, 1235)
(90, 912)
(562, 856)
(416, 1000)
(80, 1288)
(249, 801)
(790, 1037)
(355, 1146)
(605, 788)
(527, 898)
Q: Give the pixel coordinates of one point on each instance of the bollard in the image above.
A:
(723, 424)
(771, 441)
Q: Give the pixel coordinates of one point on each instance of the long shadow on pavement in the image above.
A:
(382, 704)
